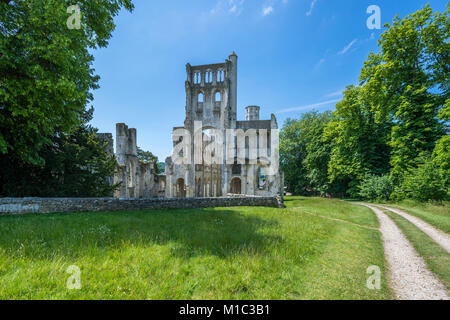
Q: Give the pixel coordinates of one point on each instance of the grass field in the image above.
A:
(220, 253)
(436, 215)
(437, 259)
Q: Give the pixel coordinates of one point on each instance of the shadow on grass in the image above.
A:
(185, 233)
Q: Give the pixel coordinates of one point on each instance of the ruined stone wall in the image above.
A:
(69, 205)
(137, 180)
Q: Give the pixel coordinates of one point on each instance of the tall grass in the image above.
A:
(220, 253)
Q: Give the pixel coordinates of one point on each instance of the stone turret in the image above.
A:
(125, 143)
(252, 113)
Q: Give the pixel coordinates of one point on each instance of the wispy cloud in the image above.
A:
(348, 47)
(311, 106)
(311, 7)
(319, 63)
(228, 6)
(267, 10)
(335, 94)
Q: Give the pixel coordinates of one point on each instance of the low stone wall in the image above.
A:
(53, 205)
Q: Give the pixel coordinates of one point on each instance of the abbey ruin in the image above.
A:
(245, 153)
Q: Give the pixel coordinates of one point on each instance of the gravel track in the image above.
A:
(438, 236)
(409, 276)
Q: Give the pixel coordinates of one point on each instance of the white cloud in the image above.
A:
(348, 47)
(319, 63)
(308, 107)
(335, 94)
(267, 10)
(309, 12)
(228, 6)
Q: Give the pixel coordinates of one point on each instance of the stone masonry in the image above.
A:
(211, 98)
(59, 205)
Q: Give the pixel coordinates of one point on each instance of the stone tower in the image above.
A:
(126, 154)
(252, 113)
(211, 94)
(211, 98)
(211, 107)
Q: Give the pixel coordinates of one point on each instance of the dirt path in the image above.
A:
(440, 237)
(408, 273)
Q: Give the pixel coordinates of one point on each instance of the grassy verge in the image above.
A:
(437, 259)
(220, 253)
(334, 208)
(436, 215)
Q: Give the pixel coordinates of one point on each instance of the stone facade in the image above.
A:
(57, 205)
(135, 179)
(211, 98)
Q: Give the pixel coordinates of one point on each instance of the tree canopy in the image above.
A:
(46, 69)
(47, 147)
(388, 131)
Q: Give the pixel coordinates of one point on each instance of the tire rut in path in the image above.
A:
(409, 276)
(438, 236)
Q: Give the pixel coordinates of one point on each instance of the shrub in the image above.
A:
(425, 183)
(376, 188)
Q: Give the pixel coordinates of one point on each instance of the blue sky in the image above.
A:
(293, 56)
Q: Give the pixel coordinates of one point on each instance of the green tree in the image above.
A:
(292, 154)
(410, 76)
(360, 141)
(317, 151)
(148, 157)
(76, 165)
(304, 155)
(46, 69)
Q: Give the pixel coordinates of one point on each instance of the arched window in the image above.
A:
(218, 96)
(220, 75)
(208, 76)
(200, 97)
(197, 77)
(262, 178)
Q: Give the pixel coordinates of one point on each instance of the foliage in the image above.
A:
(46, 69)
(76, 165)
(424, 183)
(292, 154)
(441, 154)
(317, 151)
(359, 141)
(376, 188)
(148, 157)
(385, 125)
(410, 79)
(303, 155)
